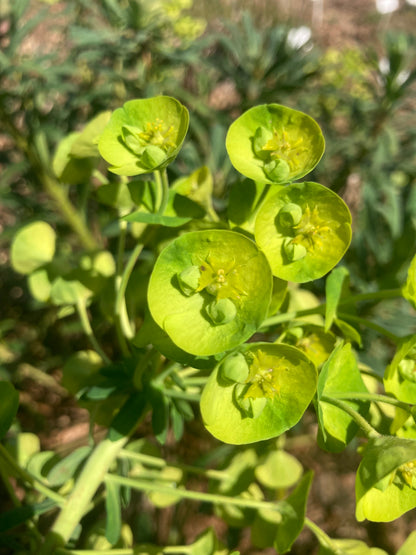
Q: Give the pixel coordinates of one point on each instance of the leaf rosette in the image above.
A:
(144, 135)
(210, 290)
(258, 393)
(304, 230)
(274, 143)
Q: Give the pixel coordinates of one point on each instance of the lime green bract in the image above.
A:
(210, 290)
(304, 230)
(258, 393)
(273, 143)
(144, 135)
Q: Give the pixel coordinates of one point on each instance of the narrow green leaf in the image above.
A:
(156, 219)
(334, 286)
(293, 517)
(9, 403)
(66, 468)
(348, 331)
(113, 512)
(129, 414)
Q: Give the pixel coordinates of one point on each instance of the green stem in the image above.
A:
(368, 430)
(374, 397)
(142, 485)
(361, 297)
(159, 463)
(80, 498)
(86, 326)
(51, 184)
(54, 189)
(322, 537)
(120, 305)
(192, 397)
(289, 316)
(369, 324)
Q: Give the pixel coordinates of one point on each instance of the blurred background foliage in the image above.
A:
(63, 62)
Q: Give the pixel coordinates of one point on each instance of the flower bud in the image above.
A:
(188, 280)
(290, 215)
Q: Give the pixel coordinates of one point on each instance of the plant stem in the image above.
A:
(67, 210)
(368, 430)
(322, 537)
(374, 397)
(361, 297)
(288, 316)
(80, 498)
(51, 184)
(120, 304)
(369, 324)
(142, 485)
(157, 462)
(192, 397)
(86, 326)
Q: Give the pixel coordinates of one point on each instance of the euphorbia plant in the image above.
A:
(209, 309)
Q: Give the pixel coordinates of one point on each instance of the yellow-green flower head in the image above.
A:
(258, 392)
(304, 230)
(144, 135)
(275, 144)
(210, 290)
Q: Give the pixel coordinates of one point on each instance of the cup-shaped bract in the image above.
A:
(144, 135)
(275, 144)
(210, 290)
(304, 230)
(259, 393)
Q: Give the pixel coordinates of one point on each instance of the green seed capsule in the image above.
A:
(221, 311)
(235, 368)
(293, 251)
(290, 215)
(277, 171)
(249, 406)
(407, 369)
(188, 280)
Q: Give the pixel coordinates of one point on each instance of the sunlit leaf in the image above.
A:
(33, 246)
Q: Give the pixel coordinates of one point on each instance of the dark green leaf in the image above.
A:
(335, 284)
(9, 403)
(14, 517)
(66, 468)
